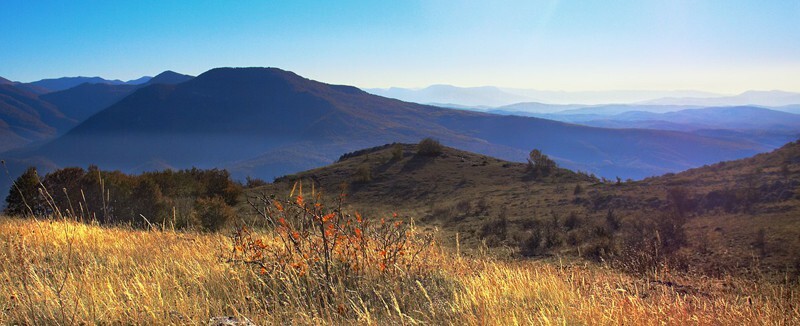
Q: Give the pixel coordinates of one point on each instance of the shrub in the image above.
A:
(329, 253)
(572, 221)
(540, 164)
(532, 245)
(213, 213)
(429, 147)
(254, 182)
(363, 174)
(495, 230)
(397, 152)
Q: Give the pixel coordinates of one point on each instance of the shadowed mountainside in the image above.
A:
(267, 122)
(24, 118)
(82, 101)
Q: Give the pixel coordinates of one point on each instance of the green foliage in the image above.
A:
(540, 164)
(429, 147)
(164, 198)
(23, 197)
(147, 200)
(213, 213)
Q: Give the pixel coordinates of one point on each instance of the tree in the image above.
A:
(24, 197)
(429, 147)
(540, 164)
(213, 212)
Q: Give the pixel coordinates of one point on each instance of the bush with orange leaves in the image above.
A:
(327, 251)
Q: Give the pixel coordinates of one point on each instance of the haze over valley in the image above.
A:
(400, 163)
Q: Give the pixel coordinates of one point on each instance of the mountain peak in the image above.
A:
(169, 77)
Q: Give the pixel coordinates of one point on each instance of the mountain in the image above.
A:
(60, 84)
(86, 99)
(24, 118)
(768, 127)
(603, 97)
(731, 118)
(572, 112)
(759, 98)
(268, 122)
(794, 108)
(462, 96)
(169, 77)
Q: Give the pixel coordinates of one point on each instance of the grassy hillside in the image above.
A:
(738, 217)
(58, 272)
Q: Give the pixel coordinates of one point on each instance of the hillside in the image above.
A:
(24, 118)
(82, 101)
(727, 205)
(244, 118)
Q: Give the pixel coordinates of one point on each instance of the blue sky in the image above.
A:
(721, 46)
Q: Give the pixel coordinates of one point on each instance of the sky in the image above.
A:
(725, 46)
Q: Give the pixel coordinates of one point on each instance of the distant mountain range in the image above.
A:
(769, 127)
(490, 96)
(24, 118)
(28, 117)
(446, 95)
(538, 101)
(267, 122)
(86, 99)
(60, 84)
(760, 98)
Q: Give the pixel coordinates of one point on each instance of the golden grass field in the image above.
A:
(60, 272)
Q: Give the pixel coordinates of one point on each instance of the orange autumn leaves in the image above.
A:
(326, 244)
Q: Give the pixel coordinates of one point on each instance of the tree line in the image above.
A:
(190, 198)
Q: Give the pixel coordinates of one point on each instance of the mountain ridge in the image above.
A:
(248, 117)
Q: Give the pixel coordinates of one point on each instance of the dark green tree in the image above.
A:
(24, 198)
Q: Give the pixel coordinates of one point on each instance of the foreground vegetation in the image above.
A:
(63, 272)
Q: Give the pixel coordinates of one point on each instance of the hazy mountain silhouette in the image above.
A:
(759, 98)
(24, 118)
(462, 96)
(268, 122)
(768, 127)
(497, 96)
(603, 97)
(86, 99)
(735, 118)
(169, 77)
(60, 84)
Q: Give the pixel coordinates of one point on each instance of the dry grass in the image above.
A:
(70, 273)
